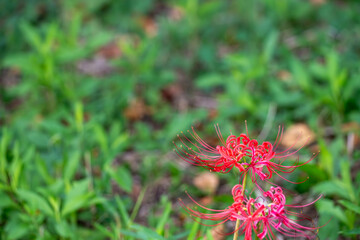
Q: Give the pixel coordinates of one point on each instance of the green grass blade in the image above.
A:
(164, 218)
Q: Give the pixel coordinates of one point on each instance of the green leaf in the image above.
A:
(326, 158)
(71, 54)
(15, 167)
(105, 231)
(137, 235)
(79, 116)
(5, 201)
(28, 157)
(209, 235)
(346, 179)
(351, 232)
(90, 234)
(102, 139)
(43, 170)
(15, 228)
(25, 62)
(209, 81)
(351, 206)
(145, 233)
(31, 36)
(182, 121)
(3, 147)
(79, 188)
(164, 219)
(123, 213)
(63, 229)
(72, 164)
(120, 141)
(137, 204)
(78, 197)
(270, 45)
(35, 201)
(336, 76)
(96, 200)
(334, 187)
(48, 42)
(300, 75)
(74, 204)
(314, 172)
(327, 206)
(179, 236)
(122, 177)
(194, 230)
(99, 39)
(330, 230)
(332, 64)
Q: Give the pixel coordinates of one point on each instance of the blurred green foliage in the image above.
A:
(92, 93)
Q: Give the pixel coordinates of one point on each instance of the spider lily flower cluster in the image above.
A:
(263, 214)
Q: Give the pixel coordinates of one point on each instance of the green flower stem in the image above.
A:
(236, 233)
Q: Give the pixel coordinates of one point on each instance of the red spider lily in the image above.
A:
(242, 209)
(278, 217)
(258, 216)
(235, 152)
(221, 158)
(263, 163)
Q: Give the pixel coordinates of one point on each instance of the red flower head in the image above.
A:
(242, 209)
(241, 152)
(278, 217)
(265, 160)
(258, 216)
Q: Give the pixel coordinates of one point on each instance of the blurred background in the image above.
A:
(93, 93)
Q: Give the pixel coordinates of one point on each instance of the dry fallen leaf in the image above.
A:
(297, 135)
(350, 127)
(110, 50)
(10, 77)
(149, 25)
(136, 190)
(212, 114)
(175, 13)
(96, 67)
(136, 110)
(317, 2)
(224, 50)
(171, 92)
(284, 75)
(206, 201)
(218, 232)
(207, 182)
